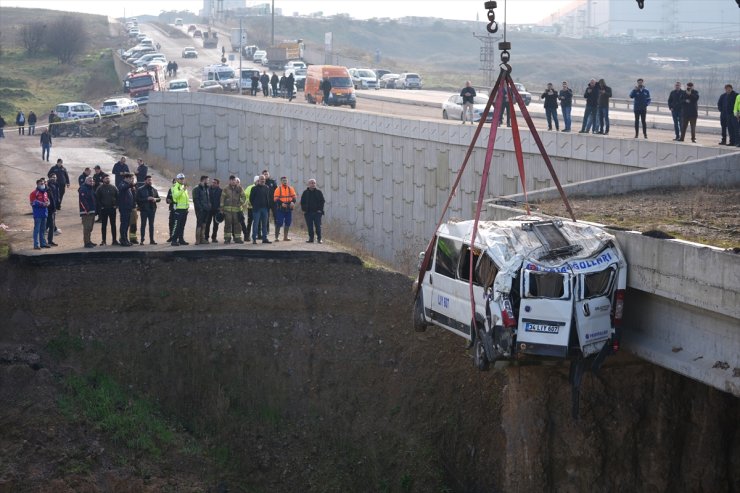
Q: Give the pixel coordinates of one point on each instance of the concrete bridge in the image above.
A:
(386, 179)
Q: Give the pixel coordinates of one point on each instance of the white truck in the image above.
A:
(238, 38)
(541, 289)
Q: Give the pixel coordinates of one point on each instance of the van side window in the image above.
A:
(464, 269)
(485, 272)
(447, 256)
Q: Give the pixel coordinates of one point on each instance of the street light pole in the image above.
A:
(273, 24)
(241, 40)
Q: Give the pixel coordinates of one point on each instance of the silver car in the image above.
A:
(452, 109)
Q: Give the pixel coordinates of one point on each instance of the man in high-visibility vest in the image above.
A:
(181, 202)
(285, 199)
(232, 201)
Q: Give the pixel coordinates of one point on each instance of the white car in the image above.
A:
(452, 109)
(77, 111)
(189, 52)
(294, 64)
(259, 55)
(409, 81)
(118, 107)
(363, 78)
(178, 85)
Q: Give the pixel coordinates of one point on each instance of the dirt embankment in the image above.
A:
(305, 375)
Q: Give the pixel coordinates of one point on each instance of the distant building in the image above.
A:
(211, 8)
(659, 18)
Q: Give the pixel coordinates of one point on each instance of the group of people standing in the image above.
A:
(683, 104)
(243, 211)
(283, 87)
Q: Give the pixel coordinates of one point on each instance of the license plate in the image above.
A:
(548, 329)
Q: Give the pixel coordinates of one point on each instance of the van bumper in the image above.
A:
(542, 349)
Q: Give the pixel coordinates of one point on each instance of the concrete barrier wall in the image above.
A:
(385, 178)
(683, 305)
(719, 171)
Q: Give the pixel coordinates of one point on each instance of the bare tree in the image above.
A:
(32, 37)
(66, 38)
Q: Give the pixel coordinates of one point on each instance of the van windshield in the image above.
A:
(141, 82)
(340, 82)
(178, 85)
(224, 74)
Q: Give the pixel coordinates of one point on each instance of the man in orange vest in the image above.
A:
(285, 199)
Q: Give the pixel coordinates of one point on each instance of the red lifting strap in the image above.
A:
(495, 99)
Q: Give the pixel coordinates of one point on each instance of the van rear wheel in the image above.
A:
(420, 324)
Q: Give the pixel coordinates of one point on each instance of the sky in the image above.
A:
(519, 11)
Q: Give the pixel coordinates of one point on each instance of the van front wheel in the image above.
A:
(420, 324)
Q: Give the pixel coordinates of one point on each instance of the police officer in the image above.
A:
(181, 203)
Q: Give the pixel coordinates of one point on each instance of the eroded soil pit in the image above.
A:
(303, 373)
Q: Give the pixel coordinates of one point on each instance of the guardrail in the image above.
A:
(615, 102)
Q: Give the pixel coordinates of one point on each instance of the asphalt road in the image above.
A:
(424, 104)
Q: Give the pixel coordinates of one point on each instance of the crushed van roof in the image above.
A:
(508, 244)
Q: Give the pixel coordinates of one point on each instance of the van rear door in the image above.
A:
(545, 312)
(593, 308)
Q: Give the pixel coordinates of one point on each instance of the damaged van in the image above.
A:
(541, 289)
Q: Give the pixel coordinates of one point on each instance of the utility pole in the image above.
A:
(488, 56)
(272, 43)
(241, 41)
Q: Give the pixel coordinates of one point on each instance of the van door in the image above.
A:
(545, 312)
(593, 308)
(447, 308)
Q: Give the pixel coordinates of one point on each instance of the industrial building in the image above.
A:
(658, 18)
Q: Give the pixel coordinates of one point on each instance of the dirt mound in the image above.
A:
(304, 374)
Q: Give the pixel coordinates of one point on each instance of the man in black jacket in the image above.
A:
(147, 198)
(52, 189)
(565, 96)
(62, 178)
(728, 121)
(272, 185)
(215, 194)
(551, 106)
(259, 197)
(107, 199)
(312, 204)
(31, 123)
(605, 94)
(590, 116)
(674, 104)
(689, 111)
(126, 204)
(45, 141)
(202, 204)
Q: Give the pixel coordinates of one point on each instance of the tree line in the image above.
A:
(64, 38)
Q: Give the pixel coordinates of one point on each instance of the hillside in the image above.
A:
(40, 82)
(446, 53)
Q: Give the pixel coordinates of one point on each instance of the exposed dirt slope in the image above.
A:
(305, 375)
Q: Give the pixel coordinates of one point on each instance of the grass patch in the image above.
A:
(40, 83)
(129, 420)
(64, 345)
(4, 245)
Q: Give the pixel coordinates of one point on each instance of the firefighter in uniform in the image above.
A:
(232, 201)
(285, 199)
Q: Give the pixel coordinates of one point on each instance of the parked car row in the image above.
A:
(404, 80)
